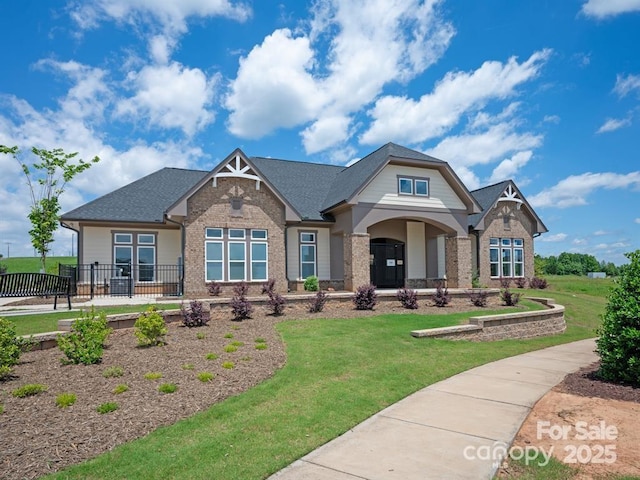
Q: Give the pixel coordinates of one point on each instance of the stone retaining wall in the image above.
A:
(509, 325)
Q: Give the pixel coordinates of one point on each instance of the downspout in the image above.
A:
(183, 236)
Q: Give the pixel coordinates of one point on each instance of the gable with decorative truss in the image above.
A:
(510, 194)
(237, 167)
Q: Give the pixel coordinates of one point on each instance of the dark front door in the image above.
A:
(387, 263)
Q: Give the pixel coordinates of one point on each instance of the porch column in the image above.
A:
(356, 260)
(458, 262)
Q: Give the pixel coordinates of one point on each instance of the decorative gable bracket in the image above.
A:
(510, 195)
(237, 168)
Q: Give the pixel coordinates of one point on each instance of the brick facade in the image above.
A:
(520, 225)
(357, 270)
(458, 262)
(211, 207)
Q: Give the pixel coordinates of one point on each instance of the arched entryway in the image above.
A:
(387, 263)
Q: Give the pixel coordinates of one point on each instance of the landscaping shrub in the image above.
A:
(240, 306)
(509, 298)
(261, 346)
(150, 328)
(475, 278)
(153, 375)
(211, 356)
(113, 372)
(311, 284)
(505, 282)
(168, 388)
(521, 282)
(479, 297)
(228, 365)
(408, 298)
(11, 347)
(276, 301)
(120, 388)
(317, 302)
(230, 348)
(619, 336)
(205, 377)
(107, 408)
(538, 283)
(441, 298)
(85, 343)
(194, 315)
(1, 409)
(65, 400)
(214, 289)
(365, 297)
(29, 390)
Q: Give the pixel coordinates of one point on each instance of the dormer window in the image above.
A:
(413, 186)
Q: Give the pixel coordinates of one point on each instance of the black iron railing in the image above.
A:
(96, 280)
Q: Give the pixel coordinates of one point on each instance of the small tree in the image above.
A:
(47, 179)
(619, 336)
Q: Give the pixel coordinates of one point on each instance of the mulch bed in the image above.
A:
(586, 383)
(37, 437)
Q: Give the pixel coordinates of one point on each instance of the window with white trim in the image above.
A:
(135, 250)
(506, 257)
(236, 255)
(416, 186)
(308, 258)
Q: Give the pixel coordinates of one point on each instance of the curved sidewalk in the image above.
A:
(442, 430)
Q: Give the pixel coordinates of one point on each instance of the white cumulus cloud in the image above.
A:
(170, 96)
(510, 166)
(574, 190)
(626, 85)
(613, 124)
(470, 149)
(412, 121)
(558, 237)
(288, 80)
(172, 14)
(609, 8)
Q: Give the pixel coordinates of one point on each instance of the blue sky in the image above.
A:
(544, 92)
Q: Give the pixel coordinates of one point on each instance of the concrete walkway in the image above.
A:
(448, 429)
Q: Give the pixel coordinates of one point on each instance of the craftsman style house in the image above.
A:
(394, 218)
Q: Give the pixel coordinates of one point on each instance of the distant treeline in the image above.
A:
(574, 264)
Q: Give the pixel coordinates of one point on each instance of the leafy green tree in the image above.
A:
(47, 178)
(619, 337)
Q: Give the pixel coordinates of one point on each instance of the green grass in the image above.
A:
(65, 400)
(32, 264)
(107, 408)
(338, 373)
(29, 390)
(48, 321)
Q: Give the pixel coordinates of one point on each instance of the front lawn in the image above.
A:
(338, 373)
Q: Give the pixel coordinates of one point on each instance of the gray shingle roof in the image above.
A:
(352, 178)
(144, 200)
(304, 185)
(486, 197)
(310, 188)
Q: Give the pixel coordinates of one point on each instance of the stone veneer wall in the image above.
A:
(357, 270)
(521, 226)
(458, 262)
(536, 323)
(210, 207)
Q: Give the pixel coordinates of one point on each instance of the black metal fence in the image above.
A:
(98, 280)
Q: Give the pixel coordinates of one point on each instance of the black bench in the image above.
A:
(35, 285)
